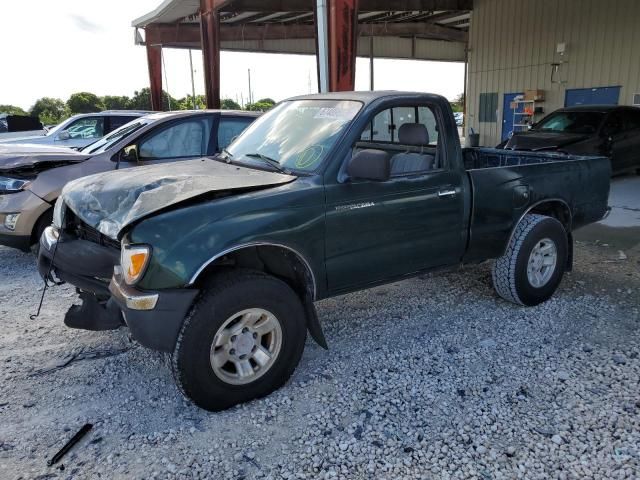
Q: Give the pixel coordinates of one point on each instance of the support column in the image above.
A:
(343, 38)
(371, 83)
(154, 62)
(210, 39)
(322, 45)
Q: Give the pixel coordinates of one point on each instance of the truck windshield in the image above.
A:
(571, 122)
(297, 134)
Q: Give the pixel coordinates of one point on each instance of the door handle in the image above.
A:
(446, 193)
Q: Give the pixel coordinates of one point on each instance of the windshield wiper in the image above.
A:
(269, 161)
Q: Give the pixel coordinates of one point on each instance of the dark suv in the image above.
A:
(610, 130)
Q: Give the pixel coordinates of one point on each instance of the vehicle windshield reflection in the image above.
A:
(571, 122)
(296, 134)
(107, 141)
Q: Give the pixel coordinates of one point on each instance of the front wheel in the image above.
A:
(532, 267)
(242, 340)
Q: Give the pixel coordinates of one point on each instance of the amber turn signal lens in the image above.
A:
(137, 263)
(134, 260)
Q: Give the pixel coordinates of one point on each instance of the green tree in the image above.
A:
(268, 100)
(457, 104)
(49, 110)
(228, 104)
(186, 103)
(12, 110)
(141, 100)
(261, 105)
(115, 102)
(84, 102)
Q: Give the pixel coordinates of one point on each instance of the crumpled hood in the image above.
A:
(25, 156)
(534, 140)
(110, 201)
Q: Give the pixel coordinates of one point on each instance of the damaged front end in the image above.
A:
(72, 252)
(85, 245)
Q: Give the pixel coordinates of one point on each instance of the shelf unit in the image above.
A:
(523, 120)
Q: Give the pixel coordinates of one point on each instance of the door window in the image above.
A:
(229, 128)
(380, 130)
(386, 124)
(187, 138)
(614, 124)
(409, 135)
(118, 121)
(631, 120)
(90, 127)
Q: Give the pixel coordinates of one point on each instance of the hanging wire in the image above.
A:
(33, 316)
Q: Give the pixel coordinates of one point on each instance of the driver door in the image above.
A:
(380, 230)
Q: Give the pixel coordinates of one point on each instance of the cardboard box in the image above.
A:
(537, 95)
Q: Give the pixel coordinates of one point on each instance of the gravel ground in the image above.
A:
(433, 377)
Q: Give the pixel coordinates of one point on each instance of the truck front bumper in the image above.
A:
(81, 263)
(154, 318)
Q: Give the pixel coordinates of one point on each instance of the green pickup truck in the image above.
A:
(219, 260)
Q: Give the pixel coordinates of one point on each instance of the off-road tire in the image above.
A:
(509, 272)
(225, 295)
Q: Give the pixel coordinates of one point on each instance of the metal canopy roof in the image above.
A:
(422, 29)
(452, 14)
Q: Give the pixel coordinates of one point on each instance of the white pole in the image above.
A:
(193, 85)
(166, 82)
(323, 45)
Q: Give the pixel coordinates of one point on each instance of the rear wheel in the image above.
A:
(534, 263)
(242, 340)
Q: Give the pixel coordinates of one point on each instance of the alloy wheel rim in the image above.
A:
(542, 262)
(246, 346)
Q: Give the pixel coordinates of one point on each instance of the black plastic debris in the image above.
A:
(70, 444)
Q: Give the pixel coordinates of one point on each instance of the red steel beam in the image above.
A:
(343, 38)
(154, 62)
(210, 41)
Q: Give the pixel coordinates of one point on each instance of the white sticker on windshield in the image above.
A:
(333, 113)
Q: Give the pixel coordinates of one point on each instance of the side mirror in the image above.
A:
(63, 136)
(130, 154)
(370, 164)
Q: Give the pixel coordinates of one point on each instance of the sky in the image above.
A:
(56, 48)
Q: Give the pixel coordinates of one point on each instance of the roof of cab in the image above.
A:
(365, 96)
(597, 108)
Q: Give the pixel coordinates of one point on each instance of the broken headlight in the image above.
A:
(134, 260)
(12, 185)
(58, 212)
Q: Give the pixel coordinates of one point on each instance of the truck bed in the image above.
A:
(506, 184)
(480, 157)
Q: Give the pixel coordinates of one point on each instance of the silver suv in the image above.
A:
(32, 176)
(81, 130)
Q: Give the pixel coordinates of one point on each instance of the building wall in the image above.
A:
(512, 44)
